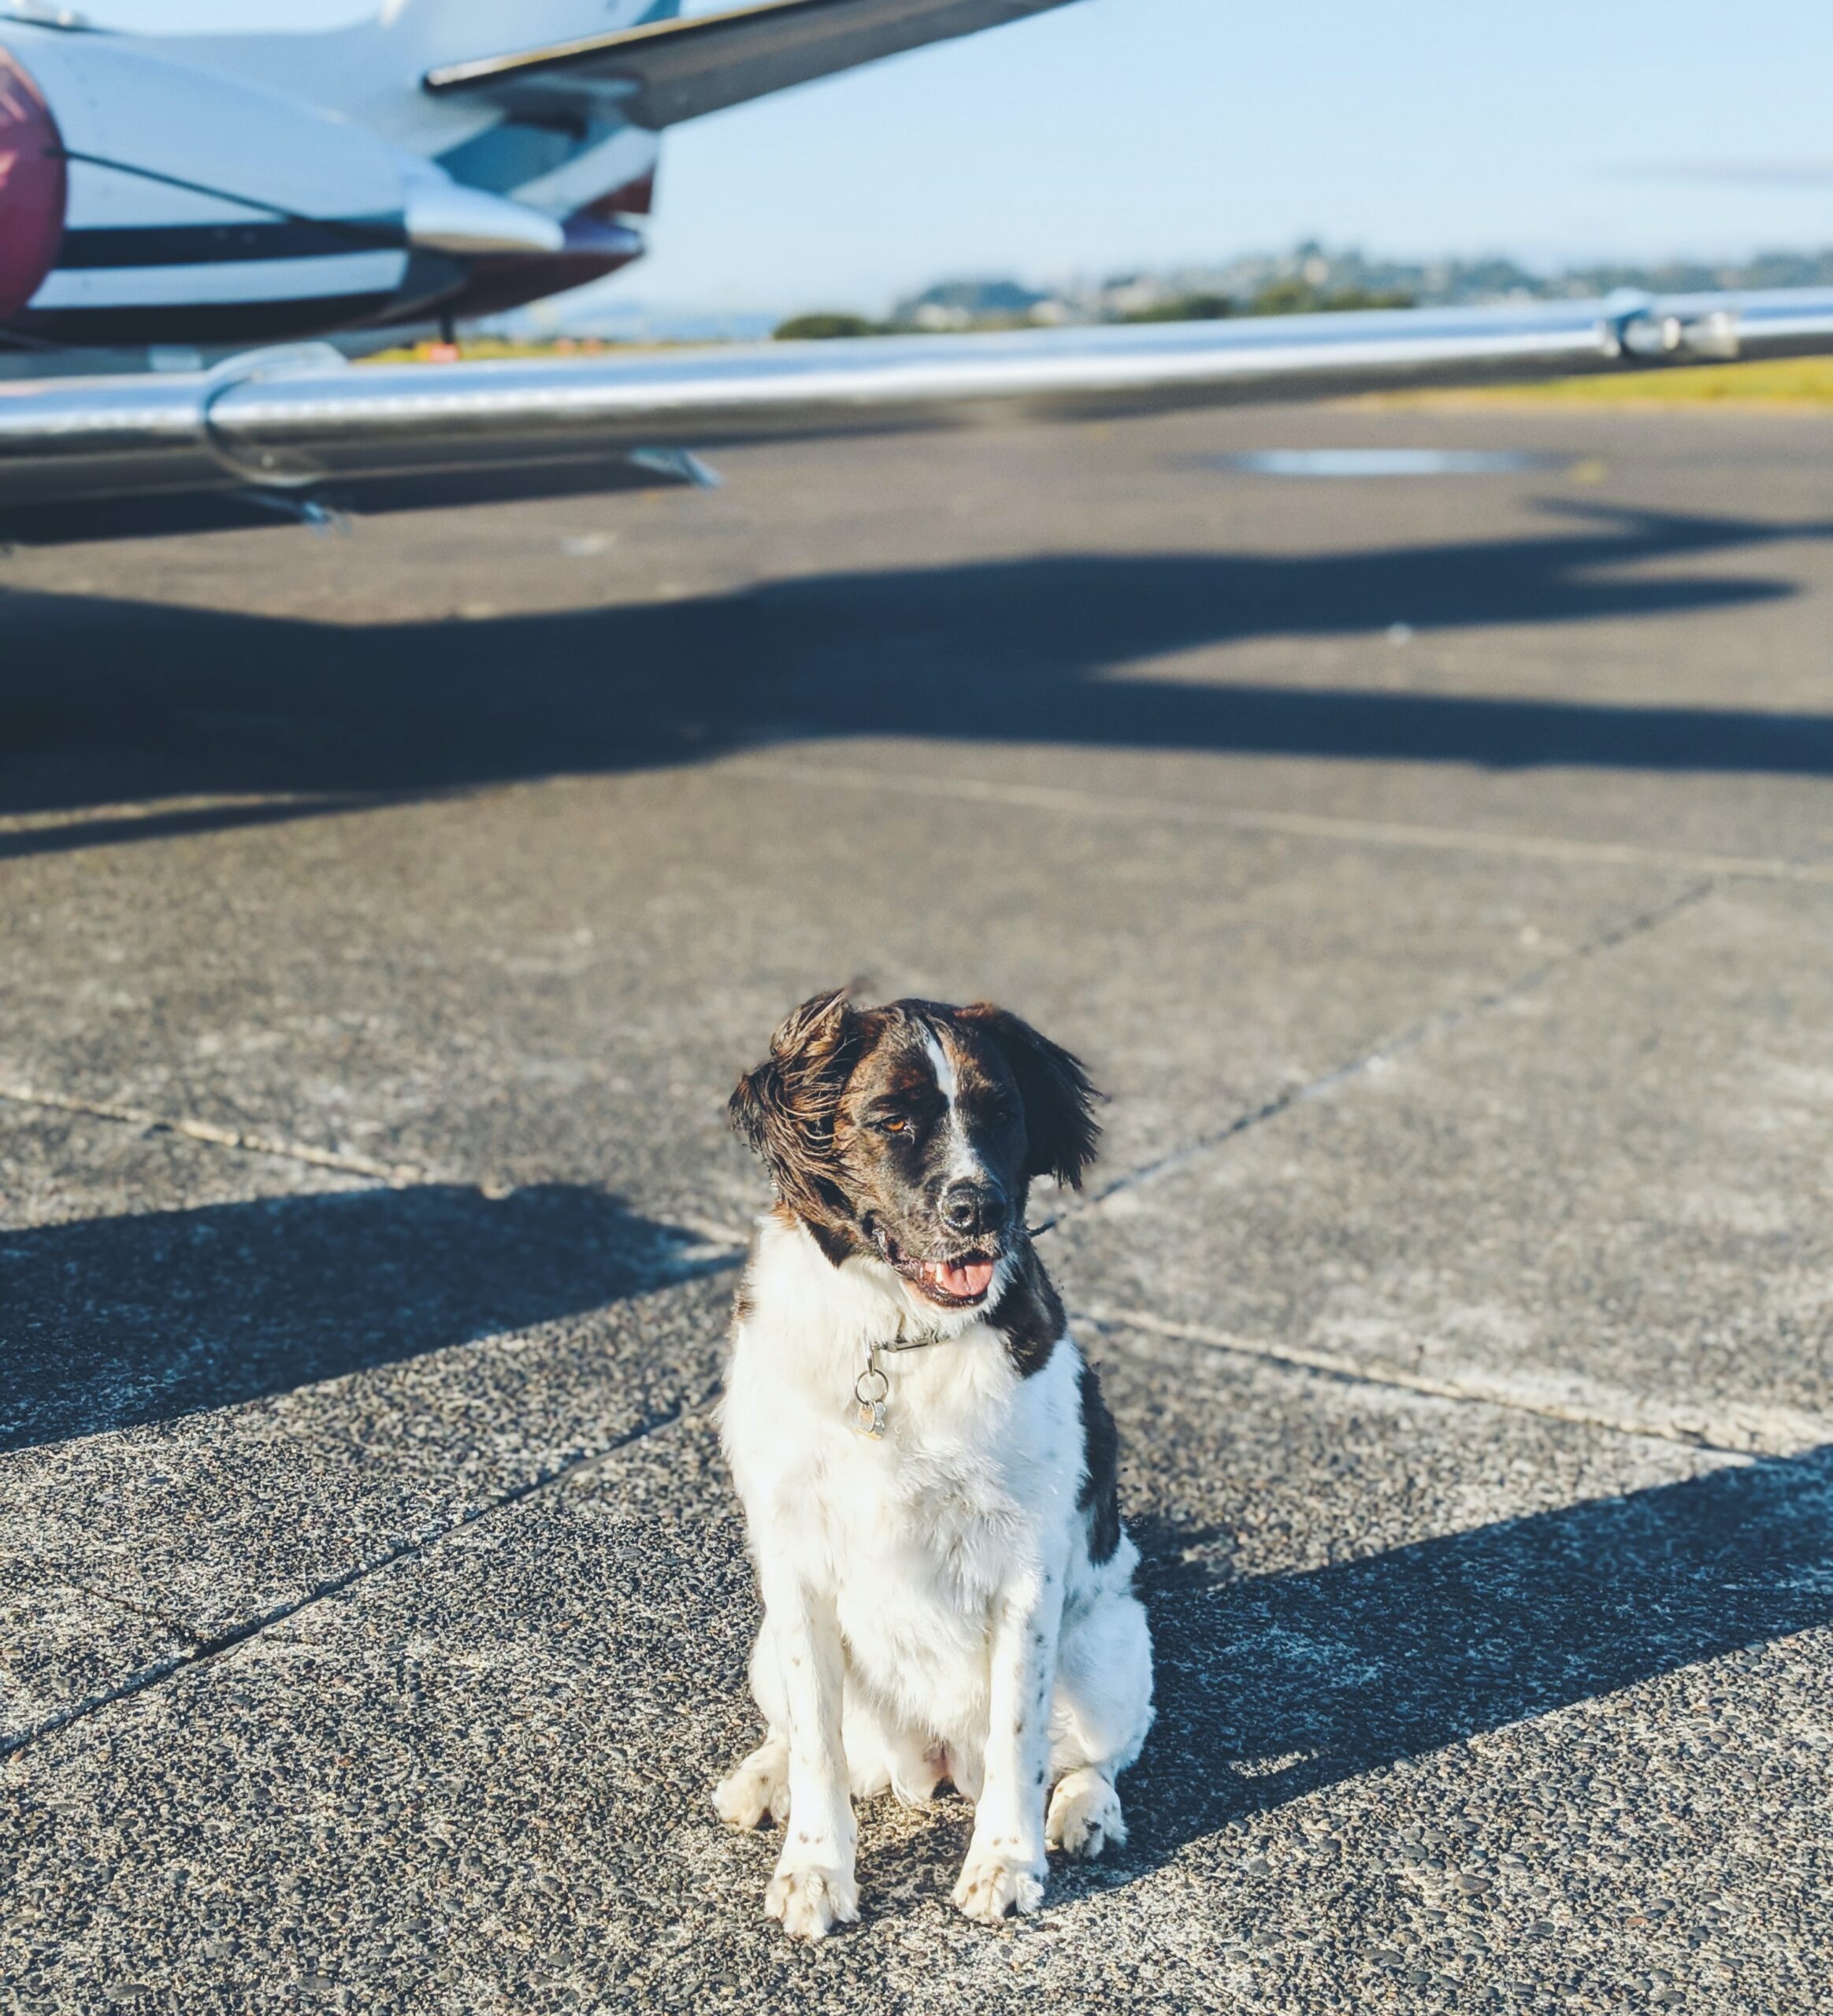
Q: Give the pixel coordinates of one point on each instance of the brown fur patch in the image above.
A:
(863, 1142)
(837, 1242)
(785, 1108)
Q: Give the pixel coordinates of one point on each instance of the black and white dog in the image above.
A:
(926, 1464)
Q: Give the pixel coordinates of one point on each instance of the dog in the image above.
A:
(926, 1461)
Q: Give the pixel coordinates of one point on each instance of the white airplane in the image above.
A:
(452, 157)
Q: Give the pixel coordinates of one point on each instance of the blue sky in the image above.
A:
(1115, 134)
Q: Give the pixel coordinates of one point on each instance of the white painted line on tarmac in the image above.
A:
(1305, 825)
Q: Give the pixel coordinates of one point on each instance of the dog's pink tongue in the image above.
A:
(973, 1279)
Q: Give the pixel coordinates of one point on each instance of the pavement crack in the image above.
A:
(1426, 1031)
(397, 1175)
(206, 1647)
(147, 1611)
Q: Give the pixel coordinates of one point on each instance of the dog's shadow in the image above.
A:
(1270, 1687)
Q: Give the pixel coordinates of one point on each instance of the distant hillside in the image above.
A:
(1310, 279)
(967, 305)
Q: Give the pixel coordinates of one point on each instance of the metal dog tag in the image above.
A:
(870, 1390)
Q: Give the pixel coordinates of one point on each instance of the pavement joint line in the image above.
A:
(1475, 1388)
(1459, 839)
(1444, 1023)
(398, 1176)
(724, 1244)
(214, 1647)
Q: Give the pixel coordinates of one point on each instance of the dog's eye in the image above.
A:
(895, 1124)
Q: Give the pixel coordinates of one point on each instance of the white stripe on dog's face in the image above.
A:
(964, 1164)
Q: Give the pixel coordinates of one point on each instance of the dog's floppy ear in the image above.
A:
(785, 1108)
(1061, 1131)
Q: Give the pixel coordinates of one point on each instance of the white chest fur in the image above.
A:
(914, 1535)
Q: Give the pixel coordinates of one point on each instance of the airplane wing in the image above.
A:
(674, 70)
(304, 424)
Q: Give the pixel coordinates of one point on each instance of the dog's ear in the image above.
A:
(785, 1108)
(1061, 1131)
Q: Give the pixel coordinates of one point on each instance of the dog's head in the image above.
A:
(912, 1133)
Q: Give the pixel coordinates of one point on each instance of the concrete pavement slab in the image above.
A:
(1621, 640)
(359, 1519)
(504, 988)
(1609, 1195)
(563, 983)
(1624, 649)
(211, 1411)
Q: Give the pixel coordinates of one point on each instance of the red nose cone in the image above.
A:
(32, 186)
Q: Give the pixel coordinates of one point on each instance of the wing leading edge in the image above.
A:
(303, 423)
(674, 70)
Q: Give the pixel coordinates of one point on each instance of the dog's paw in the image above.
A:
(1085, 1816)
(811, 1902)
(994, 1886)
(758, 1790)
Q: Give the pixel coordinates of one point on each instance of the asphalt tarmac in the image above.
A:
(1436, 870)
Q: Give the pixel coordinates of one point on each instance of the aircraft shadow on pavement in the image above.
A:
(106, 702)
(111, 1323)
(1270, 1687)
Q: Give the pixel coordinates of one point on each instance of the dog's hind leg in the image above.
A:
(1100, 1711)
(758, 1789)
(868, 1760)
(880, 1754)
(1085, 1813)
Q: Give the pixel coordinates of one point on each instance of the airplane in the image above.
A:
(252, 195)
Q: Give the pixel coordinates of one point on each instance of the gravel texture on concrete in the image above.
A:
(1396, 1738)
(1436, 872)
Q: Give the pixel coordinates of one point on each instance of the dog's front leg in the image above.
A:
(813, 1889)
(1005, 1867)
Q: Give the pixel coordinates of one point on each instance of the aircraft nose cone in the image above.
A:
(33, 186)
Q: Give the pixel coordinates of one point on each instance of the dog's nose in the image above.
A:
(969, 1207)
